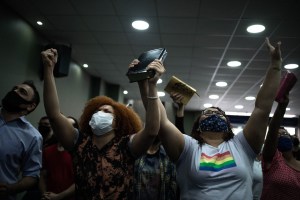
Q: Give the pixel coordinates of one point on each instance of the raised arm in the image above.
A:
(172, 139)
(255, 128)
(272, 135)
(63, 130)
(144, 139)
(177, 99)
(179, 118)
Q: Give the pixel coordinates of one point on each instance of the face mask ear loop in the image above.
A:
(199, 127)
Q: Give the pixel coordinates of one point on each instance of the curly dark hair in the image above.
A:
(196, 132)
(127, 121)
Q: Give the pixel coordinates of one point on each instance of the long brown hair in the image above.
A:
(127, 121)
(196, 132)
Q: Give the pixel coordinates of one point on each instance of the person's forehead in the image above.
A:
(108, 107)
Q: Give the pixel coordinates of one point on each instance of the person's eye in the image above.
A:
(22, 91)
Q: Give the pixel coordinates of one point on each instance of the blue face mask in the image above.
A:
(284, 144)
(213, 123)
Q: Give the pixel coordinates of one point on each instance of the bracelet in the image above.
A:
(152, 97)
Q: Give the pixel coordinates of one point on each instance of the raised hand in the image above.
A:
(49, 57)
(134, 62)
(158, 67)
(274, 51)
(177, 98)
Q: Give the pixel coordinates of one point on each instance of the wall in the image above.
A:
(20, 60)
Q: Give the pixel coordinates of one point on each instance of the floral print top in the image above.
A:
(106, 173)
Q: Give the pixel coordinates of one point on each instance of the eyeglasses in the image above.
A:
(213, 112)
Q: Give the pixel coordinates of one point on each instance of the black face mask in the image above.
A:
(44, 130)
(12, 101)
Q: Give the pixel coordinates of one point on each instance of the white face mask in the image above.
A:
(101, 123)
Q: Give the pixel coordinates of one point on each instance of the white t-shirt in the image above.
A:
(216, 173)
(257, 180)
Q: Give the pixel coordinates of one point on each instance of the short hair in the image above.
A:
(44, 117)
(36, 95)
(196, 132)
(127, 121)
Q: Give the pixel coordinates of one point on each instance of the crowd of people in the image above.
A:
(109, 153)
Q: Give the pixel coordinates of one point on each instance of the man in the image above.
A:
(20, 142)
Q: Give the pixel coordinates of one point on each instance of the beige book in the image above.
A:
(177, 85)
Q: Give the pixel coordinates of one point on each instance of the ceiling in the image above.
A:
(201, 36)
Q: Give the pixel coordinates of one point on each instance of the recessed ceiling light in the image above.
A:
(238, 113)
(125, 92)
(161, 94)
(287, 109)
(221, 84)
(291, 130)
(39, 23)
(239, 107)
(213, 96)
(256, 28)
(291, 66)
(140, 25)
(250, 98)
(159, 81)
(234, 64)
(207, 105)
(85, 65)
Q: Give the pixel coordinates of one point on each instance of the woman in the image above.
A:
(216, 164)
(109, 140)
(281, 170)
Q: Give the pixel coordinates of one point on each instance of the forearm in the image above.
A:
(180, 111)
(42, 182)
(179, 123)
(272, 136)
(267, 93)
(25, 183)
(277, 117)
(51, 101)
(63, 130)
(68, 192)
(143, 87)
(152, 111)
